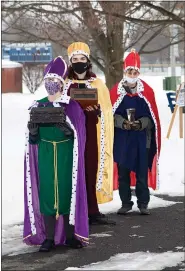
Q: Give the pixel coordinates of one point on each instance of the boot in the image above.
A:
(71, 241)
(100, 219)
(144, 210)
(47, 245)
(124, 210)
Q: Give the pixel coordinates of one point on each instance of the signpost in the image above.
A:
(180, 103)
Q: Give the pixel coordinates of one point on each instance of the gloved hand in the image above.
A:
(65, 127)
(33, 128)
(127, 125)
(98, 110)
(136, 125)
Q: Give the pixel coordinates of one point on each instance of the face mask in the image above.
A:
(52, 87)
(80, 67)
(131, 80)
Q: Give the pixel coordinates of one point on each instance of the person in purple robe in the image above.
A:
(54, 178)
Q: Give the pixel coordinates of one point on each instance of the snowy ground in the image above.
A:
(12, 234)
(137, 261)
(14, 120)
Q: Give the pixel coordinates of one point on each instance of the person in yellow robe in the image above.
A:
(99, 132)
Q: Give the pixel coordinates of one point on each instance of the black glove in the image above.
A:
(33, 128)
(98, 110)
(65, 127)
(136, 125)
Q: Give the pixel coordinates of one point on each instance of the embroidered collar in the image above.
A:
(121, 89)
(63, 99)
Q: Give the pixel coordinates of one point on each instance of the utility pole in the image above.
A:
(172, 53)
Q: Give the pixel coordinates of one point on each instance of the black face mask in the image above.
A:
(80, 67)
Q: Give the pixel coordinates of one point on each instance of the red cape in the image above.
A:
(148, 95)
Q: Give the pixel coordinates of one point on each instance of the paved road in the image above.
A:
(163, 231)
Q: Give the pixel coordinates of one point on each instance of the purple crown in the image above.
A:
(57, 68)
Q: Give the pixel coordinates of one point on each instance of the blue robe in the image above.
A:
(130, 146)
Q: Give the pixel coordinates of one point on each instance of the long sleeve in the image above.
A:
(146, 123)
(118, 121)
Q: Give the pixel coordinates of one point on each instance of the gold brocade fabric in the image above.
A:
(106, 193)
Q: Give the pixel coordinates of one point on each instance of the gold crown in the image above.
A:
(78, 48)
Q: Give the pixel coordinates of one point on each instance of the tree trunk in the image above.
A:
(112, 78)
(115, 50)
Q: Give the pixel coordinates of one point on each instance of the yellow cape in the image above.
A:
(106, 192)
(105, 135)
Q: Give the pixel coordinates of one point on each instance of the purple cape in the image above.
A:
(76, 116)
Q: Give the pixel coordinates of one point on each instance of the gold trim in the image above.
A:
(56, 205)
(81, 236)
(27, 236)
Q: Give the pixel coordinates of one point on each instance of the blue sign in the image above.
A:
(171, 96)
(28, 52)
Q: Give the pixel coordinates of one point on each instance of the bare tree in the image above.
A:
(109, 27)
(33, 76)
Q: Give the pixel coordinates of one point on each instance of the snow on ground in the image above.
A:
(12, 234)
(12, 243)
(113, 206)
(171, 163)
(137, 261)
(14, 121)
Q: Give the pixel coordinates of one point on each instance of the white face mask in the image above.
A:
(131, 80)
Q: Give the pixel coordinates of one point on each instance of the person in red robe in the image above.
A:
(137, 141)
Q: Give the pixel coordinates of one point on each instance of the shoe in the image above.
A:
(124, 210)
(144, 211)
(73, 243)
(100, 219)
(47, 246)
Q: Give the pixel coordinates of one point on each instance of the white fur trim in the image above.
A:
(131, 67)
(121, 89)
(102, 146)
(74, 175)
(66, 87)
(63, 99)
(74, 171)
(28, 179)
(54, 75)
(78, 52)
(118, 102)
(102, 154)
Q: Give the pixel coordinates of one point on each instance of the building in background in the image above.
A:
(38, 53)
(33, 57)
(11, 77)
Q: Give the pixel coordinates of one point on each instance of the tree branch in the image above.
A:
(163, 11)
(162, 48)
(150, 39)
